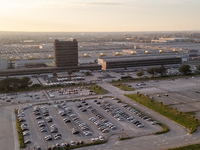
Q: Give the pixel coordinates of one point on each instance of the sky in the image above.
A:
(99, 15)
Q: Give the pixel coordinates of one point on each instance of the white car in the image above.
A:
(88, 134)
(26, 133)
(92, 139)
(72, 143)
(101, 138)
(153, 122)
(54, 125)
(130, 118)
(141, 126)
(62, 145)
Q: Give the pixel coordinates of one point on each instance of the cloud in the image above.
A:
(177, 2)
(59, 3)
(97, 3)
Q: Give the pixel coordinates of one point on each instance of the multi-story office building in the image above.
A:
(66, 53)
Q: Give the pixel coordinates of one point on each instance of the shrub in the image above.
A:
(36, 85)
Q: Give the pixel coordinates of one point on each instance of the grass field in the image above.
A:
(97, 89)
(124, 87)
(185, 119)
(188, 147)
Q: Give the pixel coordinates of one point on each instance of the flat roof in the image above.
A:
(118, 59)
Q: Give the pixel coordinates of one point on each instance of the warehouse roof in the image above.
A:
(122, 59)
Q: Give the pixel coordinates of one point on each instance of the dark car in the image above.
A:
(38, 117)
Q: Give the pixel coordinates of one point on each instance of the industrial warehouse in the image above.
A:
(130, 61)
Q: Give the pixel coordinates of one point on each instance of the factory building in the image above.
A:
(3, 64)
(123, 62)
(65, 53)
(170, 40)
(32, 71)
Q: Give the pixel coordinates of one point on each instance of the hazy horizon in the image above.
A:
(99, 15)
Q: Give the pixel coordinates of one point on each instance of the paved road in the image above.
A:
(7, 126)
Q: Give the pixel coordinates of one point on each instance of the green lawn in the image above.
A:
(20, 133)
(185, 119)
(188, 147)
(124, 87)
(164, 130)
(97, 89)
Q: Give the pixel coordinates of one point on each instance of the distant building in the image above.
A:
(131, 61)
(170, 40)
(46, 46)
(3, 64)
(66, 53)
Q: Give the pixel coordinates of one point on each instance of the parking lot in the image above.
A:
(184, 101)
(83, 121)
(21, 97)
(168, 85)
(69, 92)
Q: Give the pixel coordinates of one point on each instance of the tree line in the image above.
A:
(184, 69)
(14, 83)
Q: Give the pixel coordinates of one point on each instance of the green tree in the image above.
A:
(10, 65)
(25, 82)
(198, 67)
(88, 73)
(9, 83)
(55, 74)
(140, 73)
(162, 70)
(185, 69)
(69, 72)
(151, 71)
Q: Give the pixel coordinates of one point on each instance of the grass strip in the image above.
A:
(165, 129)
(125, 138)
(188, 147)
(185, 119)
(97, 89)
(19, 132)
(124, 87)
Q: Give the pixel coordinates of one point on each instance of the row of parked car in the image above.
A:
(63, 145)
(136, 112)
(84, 128)
(101, 123)
(24, 126)
(119, 114)
(84, 106)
